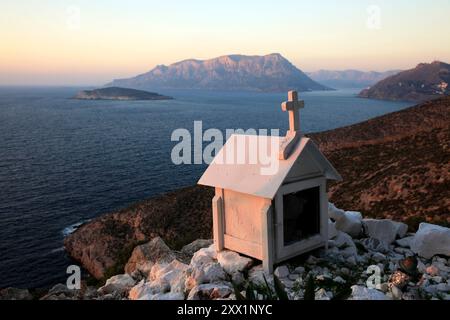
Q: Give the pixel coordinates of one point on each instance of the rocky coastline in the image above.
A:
(367, 259)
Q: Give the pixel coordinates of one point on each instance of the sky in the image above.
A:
(80, 42)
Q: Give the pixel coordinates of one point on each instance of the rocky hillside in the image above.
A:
(116, 93)
(394, 166)
(425, 82)
(367, 259)
(272, 73)
(349, 78)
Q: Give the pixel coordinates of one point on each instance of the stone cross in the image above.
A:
(292, 106)
(289, 142)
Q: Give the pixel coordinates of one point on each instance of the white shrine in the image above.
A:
(271, 217)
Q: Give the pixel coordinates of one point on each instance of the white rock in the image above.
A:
(346, 245)
(322, 294)
(432, 270)
(348, 222)
(443, 287)
(339, 279)
(204, 256)
(256, 276)
(402, 229)
(421, 267)
(384, 230)
(210, 291)
(293, 276)
(237, 278)
(163, 296)
(299, 270)
(208, 273)
(282, 272)
(405, 242)
(351, 260)
(120, 283)
(396, 293)
(159, 286)
(373, 244)
(404, 251)
(332, 231)
(441, 266)
(289, 284)
(431, 240)
(196, 245)
(233, 262)
(213, 272)
(170, 272)
(378, 257)
(363, 293)
(144, 290)
(144, 256)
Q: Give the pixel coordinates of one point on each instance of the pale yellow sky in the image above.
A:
(91, 42)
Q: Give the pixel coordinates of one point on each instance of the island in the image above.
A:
(118, 93)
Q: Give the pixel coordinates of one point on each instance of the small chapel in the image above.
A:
(271, 216)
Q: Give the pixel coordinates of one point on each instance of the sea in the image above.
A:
(65, 161)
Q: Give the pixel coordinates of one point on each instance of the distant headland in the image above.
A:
(117, 93)
(426, 81)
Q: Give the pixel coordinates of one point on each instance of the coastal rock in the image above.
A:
(363, 293)
(146, 255)
(15, 294)
(348, 222)
(102, 243)
(233, 262)
(431, 240)
(384, 230)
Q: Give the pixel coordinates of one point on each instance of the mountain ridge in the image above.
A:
(268, 73)
(350, 78)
